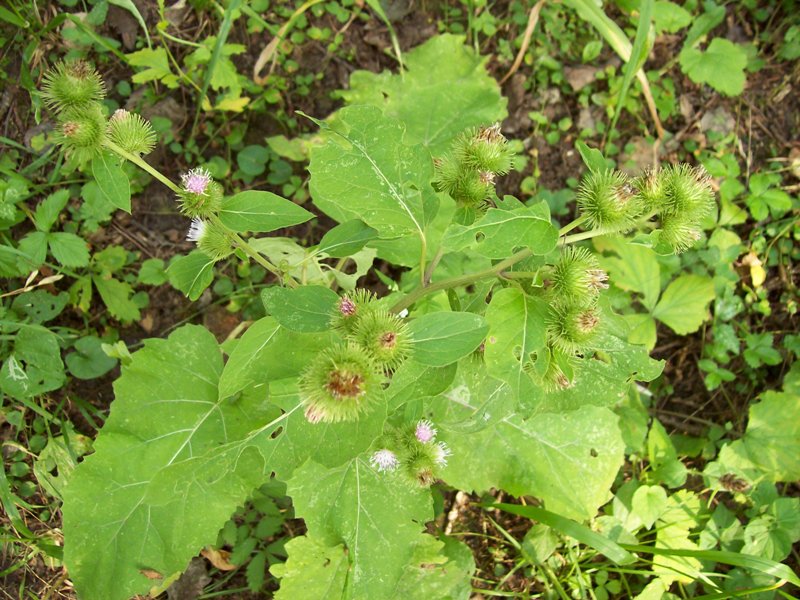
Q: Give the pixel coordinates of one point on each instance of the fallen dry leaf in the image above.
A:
(218, 558)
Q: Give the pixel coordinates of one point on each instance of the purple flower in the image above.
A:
(347, 307)
(196, 181)
(425, 432)
(384, 460)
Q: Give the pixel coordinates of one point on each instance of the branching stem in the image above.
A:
(496, 270)
(237, 239)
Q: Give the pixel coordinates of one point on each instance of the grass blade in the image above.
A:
(131, 8)
(619, 42)
(376, 6)
(746, 561)
(222, 37)
(573, 529)
(636, 59)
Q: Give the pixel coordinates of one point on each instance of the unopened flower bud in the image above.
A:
(73, 84)
(486, 150)
(351, 309)
(576, 278)
(571, 329)
(607, 201)
(82, 131)
(687, 192)
(214, 241)
(339, 385)
(385, 337)
(131, 132)
(678, 233)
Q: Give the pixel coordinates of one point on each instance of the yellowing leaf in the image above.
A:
(218, 558)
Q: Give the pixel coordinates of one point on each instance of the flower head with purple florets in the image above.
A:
(384, 460)
(425, 432)
(196, 181)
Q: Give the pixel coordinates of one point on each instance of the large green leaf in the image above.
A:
(267, 352)
(378, 518)
(500, 232)
(191, 274)
(176, 456)
(567, 459)
(770, 447)
(308, 308)
(346, 239)
(167, 411)
(112, 180)
(636, 269)
(605, 377)
(262, 212)
(442, 338)
(684, 304)
(312, 570)
(442, 67)
(365, 171)
(773, 435)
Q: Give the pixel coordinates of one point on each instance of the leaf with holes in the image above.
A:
(364, 170)
(567, 459)
(500, 232)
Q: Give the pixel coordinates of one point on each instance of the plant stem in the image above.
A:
(584, 235)
(497, 269)
(251, 252)
(240, 243)
(570, 226)
(423, 252)
(432, 267)
(460, 280)
(142, 164)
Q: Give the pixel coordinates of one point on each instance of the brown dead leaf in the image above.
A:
(151, 573)
(147, 323)
(218, 558)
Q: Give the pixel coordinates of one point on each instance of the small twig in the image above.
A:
(533, 18)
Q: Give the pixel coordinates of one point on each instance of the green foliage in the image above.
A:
(721, 66)
(494, 328)
(260, 212)
(364, 170)
(443, 67)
